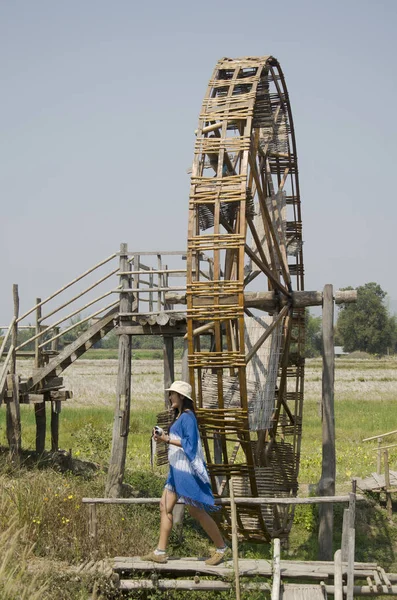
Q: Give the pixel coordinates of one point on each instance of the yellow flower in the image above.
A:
(70, 497)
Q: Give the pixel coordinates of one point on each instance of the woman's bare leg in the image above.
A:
(167, 503)
(208, 524)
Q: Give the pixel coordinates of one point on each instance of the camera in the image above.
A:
(158, 430)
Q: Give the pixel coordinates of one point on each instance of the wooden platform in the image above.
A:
(376, 482)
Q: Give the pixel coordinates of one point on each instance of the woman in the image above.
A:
(187, 478)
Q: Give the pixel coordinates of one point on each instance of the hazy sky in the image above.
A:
(100, 101)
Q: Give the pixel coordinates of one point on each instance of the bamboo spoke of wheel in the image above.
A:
(266, 271)
(283, 378)
(267, 219)
(266, 334)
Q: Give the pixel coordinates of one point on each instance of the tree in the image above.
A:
(366, 325)
(313, 335)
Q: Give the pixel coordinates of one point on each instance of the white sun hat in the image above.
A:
(181, 387)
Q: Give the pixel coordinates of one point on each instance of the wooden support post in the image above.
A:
(14, 333)
(41, 421)
(169, 368)
(13, 418)
(379, 457)
(345, 534)
(56, 406)
(92, 522)
(123, 392)
(351, 543)
(185, 367)
(39, 409)
(327, 483)
(389, 504)
(338, 581)
(218, 459)
(233, 513)
(178, 514)
(276, 569)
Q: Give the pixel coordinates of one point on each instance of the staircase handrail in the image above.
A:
(95, 314)
(45, 334)
(65, 287)
(70, 315)
(380, 435)
(7, 335)
(4, 371)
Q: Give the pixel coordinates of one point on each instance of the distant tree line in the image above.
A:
(365, 325)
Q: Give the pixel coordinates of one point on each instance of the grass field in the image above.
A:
(41, 511)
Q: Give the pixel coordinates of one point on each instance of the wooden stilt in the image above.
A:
(389, 504)
(56, 406)
(233, 514)
(185, 368)
(13, 411)
(338, 582)
(55, 412)
(178, 514)
(169, 368)
(345, 534)
(39, 409)
(14, 419)
(327, 482)
(276, 570)
(92, 522)
(40, 416)
(123, 394)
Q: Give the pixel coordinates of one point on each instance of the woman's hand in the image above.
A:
(163, 437)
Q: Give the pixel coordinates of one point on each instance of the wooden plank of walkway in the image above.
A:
(316, 570)
(195, 584)
(376, 481)
(296, 591)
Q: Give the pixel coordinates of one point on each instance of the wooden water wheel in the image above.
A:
(246, 347)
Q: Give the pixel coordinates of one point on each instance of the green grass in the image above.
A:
(46, 505)
(353, 423)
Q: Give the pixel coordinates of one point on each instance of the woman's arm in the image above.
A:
(164, 437)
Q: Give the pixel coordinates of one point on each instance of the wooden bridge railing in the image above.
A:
(345, 555)
(384, 451)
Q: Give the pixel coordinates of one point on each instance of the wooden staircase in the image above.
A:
(73, 351)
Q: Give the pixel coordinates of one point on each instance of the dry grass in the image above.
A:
(93, 382)
(16, 583)
(358, 380)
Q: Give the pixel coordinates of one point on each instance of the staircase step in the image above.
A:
(71, 352)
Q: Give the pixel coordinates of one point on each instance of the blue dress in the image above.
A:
(188, 477)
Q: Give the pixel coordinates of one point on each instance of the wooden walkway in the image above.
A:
(376, 482)
(293, 591)
(193, 574)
